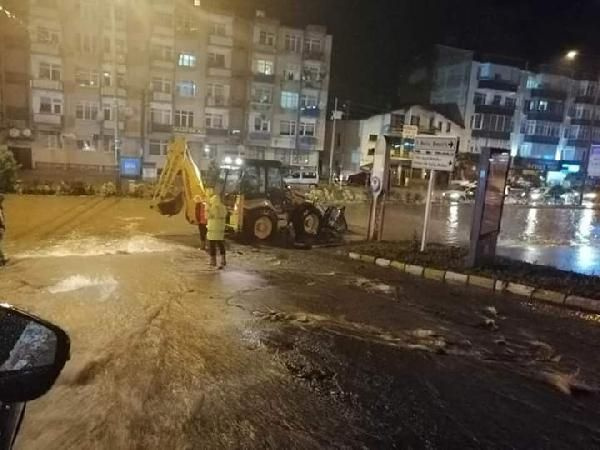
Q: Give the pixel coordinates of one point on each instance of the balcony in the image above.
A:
(163, 29)
(310, 111)
(307, 142)
(161, 128)
(218, 100)
(188, 130)
(120, 57)
(551, 94)
(290, 85)
(550, 116)
(112, 91)
(52, 85)
(489, 134)
(583, 122)
(219, 71)
(498, 85)
(536, 139)
(48, 119)
(585, 99)
(585, 143)
(256, 105)
(261, 136)
(217, 131)
(110, 125)
(223, 41)
(160, 62)
(45, 48)
(501, 110)
(158, 96)
(314, 55)
(264, 78)
(312, 83)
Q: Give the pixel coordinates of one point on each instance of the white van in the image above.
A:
(308, 176)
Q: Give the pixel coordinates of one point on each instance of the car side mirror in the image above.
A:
(33, 352)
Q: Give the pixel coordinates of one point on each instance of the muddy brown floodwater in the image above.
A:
(284, 349)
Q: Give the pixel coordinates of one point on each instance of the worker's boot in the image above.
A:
(213, 261)
(223, 262)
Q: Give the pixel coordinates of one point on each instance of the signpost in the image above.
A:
(489, 204)
(433, 153)
(594, 162)
(379, 188)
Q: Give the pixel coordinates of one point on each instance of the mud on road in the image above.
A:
(285, 349)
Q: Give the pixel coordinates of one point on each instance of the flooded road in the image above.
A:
(283, 349)
(565, 238)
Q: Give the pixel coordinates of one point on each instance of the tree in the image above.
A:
(8, 170)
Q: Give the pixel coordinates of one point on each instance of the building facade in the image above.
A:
(546, 117)
(355, 140)
(150, 70)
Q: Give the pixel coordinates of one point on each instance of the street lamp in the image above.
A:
(572, 54)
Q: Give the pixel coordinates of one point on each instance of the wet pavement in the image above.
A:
(283, 349)
(566, 238)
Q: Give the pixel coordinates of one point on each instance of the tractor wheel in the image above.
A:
(260, 226)
(307, 221)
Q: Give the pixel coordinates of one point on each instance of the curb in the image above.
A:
(501, 286)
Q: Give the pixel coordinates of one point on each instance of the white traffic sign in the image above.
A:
(435, 153)
(594, 162)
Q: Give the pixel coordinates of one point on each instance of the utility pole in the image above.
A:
(332, 147)
(116, 91)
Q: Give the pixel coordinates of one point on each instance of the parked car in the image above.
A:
(459, 194)
(359, 179)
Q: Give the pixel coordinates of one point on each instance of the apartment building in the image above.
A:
(547, 117)
(15, 127)
(150, 70)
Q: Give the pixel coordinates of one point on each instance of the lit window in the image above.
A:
(187, 60)
(265, 67)
(289, 100)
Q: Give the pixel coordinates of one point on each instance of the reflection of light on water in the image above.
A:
(532, 254)
(585, 228)
(586, 259)
(531, 223)
(453, 224)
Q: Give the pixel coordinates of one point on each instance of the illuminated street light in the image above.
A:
(572, 54)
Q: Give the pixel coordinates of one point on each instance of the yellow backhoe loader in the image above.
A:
(260, 205)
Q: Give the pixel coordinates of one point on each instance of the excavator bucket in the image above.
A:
(171, 207)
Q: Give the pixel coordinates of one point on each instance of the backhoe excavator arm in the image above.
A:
(170, 197)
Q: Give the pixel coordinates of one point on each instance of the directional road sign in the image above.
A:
(435, 153)
(594, 162)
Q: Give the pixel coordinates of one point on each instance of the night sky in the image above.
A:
(376, 42)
